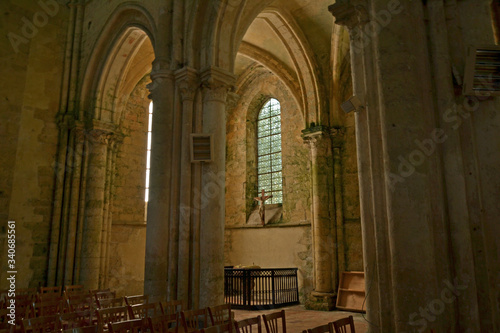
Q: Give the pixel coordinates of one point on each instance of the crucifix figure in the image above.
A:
(261, 200)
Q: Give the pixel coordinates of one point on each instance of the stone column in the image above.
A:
(188, 83)
(324, 257)
(158, 220)
(216, 84)
(405, 237)
(76, 167)
(91, 254)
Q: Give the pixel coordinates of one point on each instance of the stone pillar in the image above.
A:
(337, 136)
(91, 254)
(188, 83)
(76, 158)
(324, 253)
(216, 84)
(405, 236)
(158, 216)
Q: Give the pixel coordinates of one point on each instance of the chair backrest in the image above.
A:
(49, 307)
(250, 325)
(85, 329)
(24, 307)
(98, 295)
(50, 291)
(74, 289)
(80, 302)
(194, 319)
(129, 326)
(173, 306)
(144, 310)
(31, 292)
(342, 324)
(220, 314)
(111, 315)
(163, 323)
(41, 324)
(76, 319)
(275, 321)
(110, 302)
(327, 328)
(137, 299)
(228, 327)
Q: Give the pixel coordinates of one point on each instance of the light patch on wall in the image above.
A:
(148, 160)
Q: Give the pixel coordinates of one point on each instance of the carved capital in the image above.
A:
(216, 83)
(188, 82)
(99, 137)
(347, 14)
(159, 75)
(100, 132)
(316, 137)
(116, 139)
(215, 94)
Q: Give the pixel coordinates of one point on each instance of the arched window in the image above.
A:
(269, 173)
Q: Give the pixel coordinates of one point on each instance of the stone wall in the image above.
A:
(128, 231)
(271, 246)
(32, 51)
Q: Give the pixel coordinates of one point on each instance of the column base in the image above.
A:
(320, 301)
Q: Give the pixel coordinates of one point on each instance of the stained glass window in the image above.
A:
(269, 151)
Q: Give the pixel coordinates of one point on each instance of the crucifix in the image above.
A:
(261, 200)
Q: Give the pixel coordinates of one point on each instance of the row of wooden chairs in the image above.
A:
(343, 325)
(276, 323)
(148, 317)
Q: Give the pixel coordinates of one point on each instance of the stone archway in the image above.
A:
(90, 137)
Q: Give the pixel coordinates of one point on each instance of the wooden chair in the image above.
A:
(191, 320)
(24, 308)
(220, 314)
(110, 303)
(174, 306)
(228, 327)
(327, 328)
(98, 295)
(31, 292)
(74, 289)
(272, 322)
(76, 319)
(111, 315)
(341, 325)
(41, 324)
(85, 329)
(250, 325)
(129, 326)
(137, 299)
(80, 302)
(144, 310)
(50, 292)
(48, 307)
(164, 323)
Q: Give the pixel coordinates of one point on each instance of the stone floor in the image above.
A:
(299, 319)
